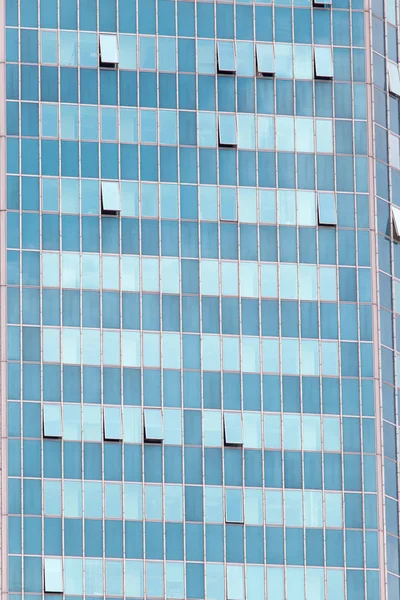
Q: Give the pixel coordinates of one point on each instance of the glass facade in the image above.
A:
(199, 299)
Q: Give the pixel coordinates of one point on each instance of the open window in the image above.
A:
(322, 2)
(109, 55)
(153, 426)
(112, 423)
(396, 220)
(227, 130)
(226, 57)
(265, 59)
(52, 421)
(327, 209)
(110, 197)
(53, 575)
(394, 78)
(323, 62)
(233, 429)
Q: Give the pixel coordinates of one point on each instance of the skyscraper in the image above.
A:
(199, 299)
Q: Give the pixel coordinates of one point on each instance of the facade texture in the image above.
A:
(199, 299)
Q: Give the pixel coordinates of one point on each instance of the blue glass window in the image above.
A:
(108, 50)
(110, 196)
(323, 62)
(53, 577)
(327, 209)
(265, 59)
(226, 57)
(233, 505)
(52, 420)
(112, 423)
(233, 429)
(153, 428)
(227, 130)
(394, 78)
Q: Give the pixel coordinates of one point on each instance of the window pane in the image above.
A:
(111, 199)
(226, 57)
(112, 424)
(233, 429)
(53, 578)
(327, 209)
(265, 59)
(52, 420)
(233, 506)
(153, 426)
(109, 49)
(394, 78)
(323, 62)
(227, 130)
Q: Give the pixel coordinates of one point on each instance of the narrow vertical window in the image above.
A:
(153, 427)
(112, 423)
(326, 209)
(265, 59)
(109, 55)
(233, 505)
(394, 78)
(53, 575)
(233, 428)
(110, 197)
(226, 57)
(227, 130)
(52, 421)
(323, 62)
(396, 219)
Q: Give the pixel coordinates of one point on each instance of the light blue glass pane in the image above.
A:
(228, 210)
(73, 498)
(284, 61)
(205, 56)
(53, 577)
(69, 122)
(253, 507)
(246, 131)
(169, 201)
(154, 579)
(207, 129)
(294, 508)
(167, 54)
(394, 78)
(255, 582)
(153, 425)
(265, 133)
(89, 123)
(128, 125)
(109, 124)
(272, 431)
(168, 126)
(245, 58)
(292, 432)
(295, 583)
(208, 203)
(127, 51)
(323, 62)
(227, 130)
(303, 62)
(52, 420)
(153, 494)
(52, 497)
(173, 499)
(113, 492)
(265, 59)
(234, 505)
(93, 499)
(113, 426)
(233, 428)
(133, 494)
(49, 47)
(327, 209)
(89, 53)
(235, 582)
(274, 507)
(226, 57)
(275, 583)
(174, 580)
(49, 120)
(109, 49)
(147, 52)
(68, 49)
(50, 194)
(286, 207)
(114, 577)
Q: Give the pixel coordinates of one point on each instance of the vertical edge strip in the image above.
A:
(3, 312)
(375, 302)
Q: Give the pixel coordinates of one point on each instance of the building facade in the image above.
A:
(199, 299)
